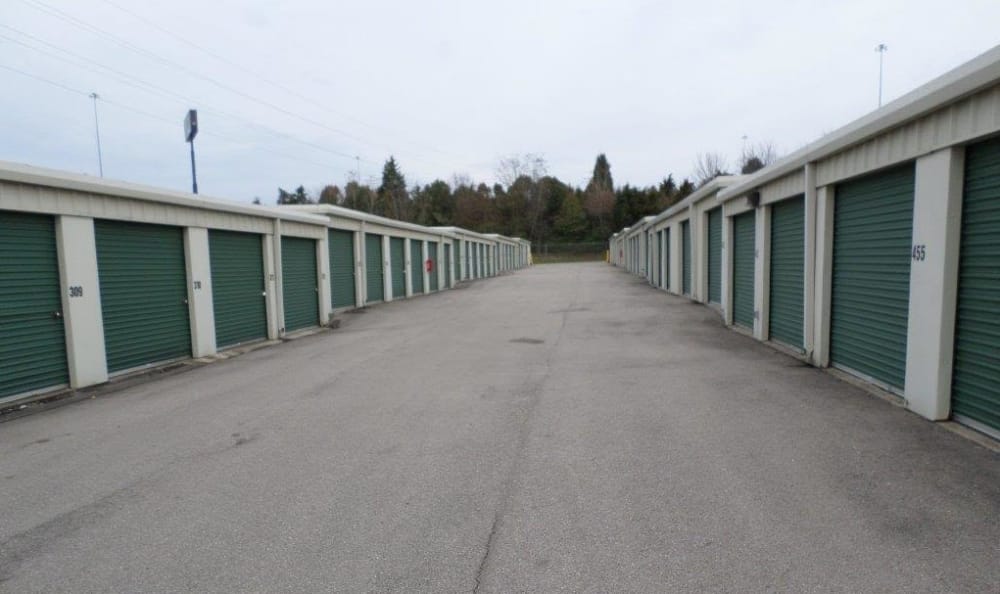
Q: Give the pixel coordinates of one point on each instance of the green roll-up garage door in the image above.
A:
(417, 265)
(458, 261)
(373, 268)
(143, 293)
(474, 260)
(447, 265)
(432, 255)
(787, 278)
(686, 257)
(666, 258)
(299, 284)
(659, 259)
(342, 287)
(975, 388)
(744, 246)
(32, 336)
(397, 266)
(873, 228)
(715, 255)
(237, 261)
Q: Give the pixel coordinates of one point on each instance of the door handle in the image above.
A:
(57, 314)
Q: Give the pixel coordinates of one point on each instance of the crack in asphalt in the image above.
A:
(534, 391)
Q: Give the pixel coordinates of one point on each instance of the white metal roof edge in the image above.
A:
(975, 75)
(64, 180)
(328, 210)
(716, 185)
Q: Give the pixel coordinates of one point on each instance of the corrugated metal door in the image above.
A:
(397, 264)
(975, 389)
(447, 265)
(666, 258)
(237, 261)
(787, 279)
(659, 259)
(417, 265)
(32, 336)
(744, 248)
(873, 229)
(299, 284)
(715, 255)
(473, 261)
(432, 255)
(686, 257)
(143, 293)
(458, 261)
(342, 287)
(373, 268)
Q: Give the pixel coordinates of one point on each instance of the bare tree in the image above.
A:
(511, 167)
(709, 166)
(755, 157)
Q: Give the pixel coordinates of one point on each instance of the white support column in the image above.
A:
(809, 266)
(360, 272)
(408, 266)
(323, 274)
(279, 301)
(727, 269)
(937, 229)
(762, 273)
(271, 288)
(81, 307)
(424, 251)
(387, 295)
(824, 276)
(199, 289)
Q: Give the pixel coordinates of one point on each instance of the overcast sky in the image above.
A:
(290, 92)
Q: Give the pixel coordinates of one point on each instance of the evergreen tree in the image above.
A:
(330, 195)
(299, 196)
(393, 199)
(599, 197)
(571, 223)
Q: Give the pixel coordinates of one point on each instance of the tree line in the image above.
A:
(525, 201)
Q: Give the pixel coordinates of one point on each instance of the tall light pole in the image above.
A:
(190, 131)
(97, 130)
(881, 49)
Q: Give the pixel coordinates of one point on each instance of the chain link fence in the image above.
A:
(569, 252)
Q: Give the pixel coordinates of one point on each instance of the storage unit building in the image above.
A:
(879, 246)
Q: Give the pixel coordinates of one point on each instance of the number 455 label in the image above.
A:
(919, 252)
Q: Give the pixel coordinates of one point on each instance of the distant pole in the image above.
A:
(97, 131)
(881, 49)
(357, 159)
(194, 172)
(190, 131)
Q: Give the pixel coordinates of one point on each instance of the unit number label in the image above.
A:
(76, 291)
(197, 284)
(919, 252)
